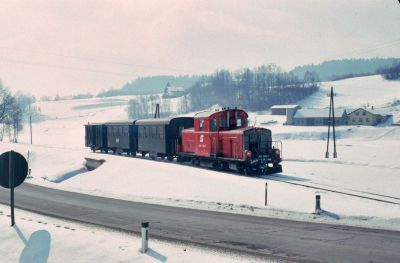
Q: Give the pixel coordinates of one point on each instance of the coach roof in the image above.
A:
(128, 122)
(163, 121)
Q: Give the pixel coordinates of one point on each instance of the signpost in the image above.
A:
(13, 171)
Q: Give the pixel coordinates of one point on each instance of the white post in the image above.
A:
(145, 237)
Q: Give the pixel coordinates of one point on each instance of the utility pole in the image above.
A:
(331, 119)
(30, 121)
(157, 113)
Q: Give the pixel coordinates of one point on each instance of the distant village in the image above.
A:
(296, 115)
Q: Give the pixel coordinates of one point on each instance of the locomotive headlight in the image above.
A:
(277, 152)
(248, 153)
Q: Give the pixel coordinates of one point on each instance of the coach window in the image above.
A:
(126, 130)
(141, 132)
(201, 125)
(213, 125)
(154, 132)
(115, 130)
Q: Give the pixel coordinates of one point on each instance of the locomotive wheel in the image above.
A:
(170, 158)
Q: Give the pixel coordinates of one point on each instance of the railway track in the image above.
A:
(328, 188)
(355, 193)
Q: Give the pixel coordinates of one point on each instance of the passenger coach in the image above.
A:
(162, 137)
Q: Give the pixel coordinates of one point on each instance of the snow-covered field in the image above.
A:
(360, 187)
(37, 238)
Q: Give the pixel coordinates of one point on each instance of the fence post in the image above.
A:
(145, 237)
(266, 193)
(318, 204)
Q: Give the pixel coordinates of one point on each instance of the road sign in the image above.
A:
(18, 168)
(13, 171)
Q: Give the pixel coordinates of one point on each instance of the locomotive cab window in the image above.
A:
(201, 125)
(222, 122)
(213, 125)
(239, 122)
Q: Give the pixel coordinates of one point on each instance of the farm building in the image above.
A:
(173, 92)
(284, 109)
(363, 116)
(318, 117)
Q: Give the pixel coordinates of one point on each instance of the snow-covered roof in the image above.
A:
(375, 111)
(172, 89)
(317, 113)
(284, 106)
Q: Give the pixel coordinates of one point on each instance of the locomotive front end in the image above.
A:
(262, 155)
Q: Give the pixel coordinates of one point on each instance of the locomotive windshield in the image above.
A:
(257, 141)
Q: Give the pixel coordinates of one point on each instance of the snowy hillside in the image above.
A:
(355, 92)
(358, 188)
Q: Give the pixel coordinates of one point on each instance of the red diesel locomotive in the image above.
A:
(220, 139)
(223, 140)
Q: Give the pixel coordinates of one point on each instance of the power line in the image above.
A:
(99, 60)
(37, 64)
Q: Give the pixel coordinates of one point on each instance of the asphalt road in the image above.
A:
(272, 238)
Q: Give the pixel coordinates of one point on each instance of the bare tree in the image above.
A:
(6, 101)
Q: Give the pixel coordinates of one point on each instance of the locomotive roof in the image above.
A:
(240, 130)
(205, 114)
(163, 121)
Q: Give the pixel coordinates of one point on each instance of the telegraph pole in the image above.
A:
(30, 120)
(331, 119)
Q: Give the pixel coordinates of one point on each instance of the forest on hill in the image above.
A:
(346, 68)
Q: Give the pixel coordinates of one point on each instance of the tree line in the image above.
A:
(390, 73)
(252, 89)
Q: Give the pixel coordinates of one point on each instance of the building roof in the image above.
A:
(317, 113)
(285, 106)
(375, 111)
(175, 89)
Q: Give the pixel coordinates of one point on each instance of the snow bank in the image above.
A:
(37, 238)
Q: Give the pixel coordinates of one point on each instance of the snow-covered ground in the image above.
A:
(357, 188)
(37, 238)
